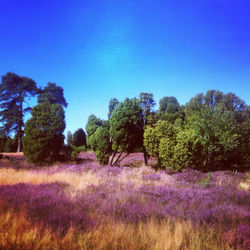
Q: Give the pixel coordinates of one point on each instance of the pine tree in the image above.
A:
(14, 90)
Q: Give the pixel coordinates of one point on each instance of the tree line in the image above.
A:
(41, 137)
(211, 131)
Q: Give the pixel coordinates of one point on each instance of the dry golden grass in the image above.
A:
(79, 181)
(245, 185)
(10, 176)
(13, 154)
(18, 232)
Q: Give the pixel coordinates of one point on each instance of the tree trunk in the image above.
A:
(20, 133)
(145, 156)
(114, 154)
(117, 162)
(19, 144)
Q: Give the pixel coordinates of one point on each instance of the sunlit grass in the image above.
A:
(78, 181)
(18, 232)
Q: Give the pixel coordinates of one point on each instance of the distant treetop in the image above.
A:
(53, 94)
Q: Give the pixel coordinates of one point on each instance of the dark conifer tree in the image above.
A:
(14, 91)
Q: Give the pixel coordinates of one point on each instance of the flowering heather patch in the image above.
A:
(85, 197)
(14, 160)
(136, 160)
(151, 177)
(46, 203)
(239, 238)
(87, 156)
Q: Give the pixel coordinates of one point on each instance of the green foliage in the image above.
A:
(53, 94)
(222, 123)
(126, 126)
(99, 139)
(44, 137)
(151, 141)
(112, 105)
(166, 152)
(3, 139)
(242, 156)
(153, 137)
(170, 109)
(165, 101)
(187, 150)
(216, 130)
(210, 132)
(8, 145)
(92, 124)
(103, 145)
(14, 90)
(76, 150)
(215, 100)
(79, 138)
(215, 134)
(147, 103)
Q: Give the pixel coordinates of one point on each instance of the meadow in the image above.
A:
(88, 206)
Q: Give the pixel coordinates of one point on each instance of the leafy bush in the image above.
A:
(76, 150)
(188, 150)
(166, 152)
(154, 143)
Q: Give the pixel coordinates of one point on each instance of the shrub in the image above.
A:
(188, 150)
(103, 145)
(153, 143)
(76, 150)
(166, 152)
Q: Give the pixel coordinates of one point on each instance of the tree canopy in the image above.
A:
(112, 105)
(79, 138)
(213, 134)
(53, 94)
(92, 124)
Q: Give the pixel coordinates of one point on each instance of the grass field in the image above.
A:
(86, 206)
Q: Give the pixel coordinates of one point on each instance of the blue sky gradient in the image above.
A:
(100, 49)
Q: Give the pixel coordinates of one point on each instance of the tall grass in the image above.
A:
(18, 232)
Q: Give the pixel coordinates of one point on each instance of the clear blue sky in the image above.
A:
(99, 49)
